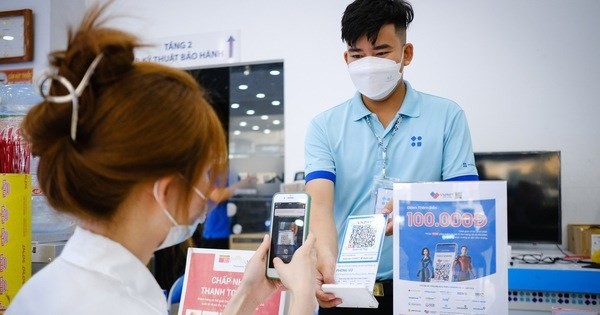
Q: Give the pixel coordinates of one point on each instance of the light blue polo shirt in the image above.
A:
(432, 143)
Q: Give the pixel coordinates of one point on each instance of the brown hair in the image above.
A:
(137, 122)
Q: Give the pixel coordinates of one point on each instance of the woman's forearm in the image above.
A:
(302, 304)
(241, 303)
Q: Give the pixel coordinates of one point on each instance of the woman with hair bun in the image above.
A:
(131, 149)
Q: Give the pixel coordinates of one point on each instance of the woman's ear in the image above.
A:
(161, 189)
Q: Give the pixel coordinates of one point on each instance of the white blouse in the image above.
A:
(93, 275)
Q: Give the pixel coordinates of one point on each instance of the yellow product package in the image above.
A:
(595, 250)
(15, 235)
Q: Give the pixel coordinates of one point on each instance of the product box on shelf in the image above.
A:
(595, 251)
(580, 238)
(15, 235)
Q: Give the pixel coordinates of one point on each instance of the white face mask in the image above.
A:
(375, 77)
(179, 233)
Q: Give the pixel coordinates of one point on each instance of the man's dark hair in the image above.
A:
(367, 17)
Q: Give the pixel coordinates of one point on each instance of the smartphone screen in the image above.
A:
(444, 256)
(289, 226)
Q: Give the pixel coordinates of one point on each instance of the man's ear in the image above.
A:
(346, 56)
(408, 54)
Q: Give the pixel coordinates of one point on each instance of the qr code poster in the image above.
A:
(363, 238)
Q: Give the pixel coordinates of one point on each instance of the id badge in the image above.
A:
(382, 193)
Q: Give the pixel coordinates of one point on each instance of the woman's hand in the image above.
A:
(255, 286)
(299, 276)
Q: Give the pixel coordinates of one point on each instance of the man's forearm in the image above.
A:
(324, 228)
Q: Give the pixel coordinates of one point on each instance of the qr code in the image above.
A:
(286, 238)
(442, 270)
(362, 236)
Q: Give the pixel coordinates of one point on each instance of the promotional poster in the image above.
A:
(211, 278)
(450, 243)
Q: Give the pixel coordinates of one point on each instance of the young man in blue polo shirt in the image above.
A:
(387, 130)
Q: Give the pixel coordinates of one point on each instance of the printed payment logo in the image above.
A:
(452, 195)
(224, 259)
(230, 262)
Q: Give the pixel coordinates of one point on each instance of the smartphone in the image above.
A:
(289, 227)
(443, 260)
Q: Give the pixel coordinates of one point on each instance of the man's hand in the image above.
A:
(325, 274)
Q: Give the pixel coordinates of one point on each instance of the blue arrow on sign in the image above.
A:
(230, 41)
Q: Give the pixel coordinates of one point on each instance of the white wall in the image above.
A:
(527, 74)
(524, 71)
(41, 32)
(50, 21)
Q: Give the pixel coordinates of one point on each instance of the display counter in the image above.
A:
(543, 286)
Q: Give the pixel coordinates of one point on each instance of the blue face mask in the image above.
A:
(179, 233)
